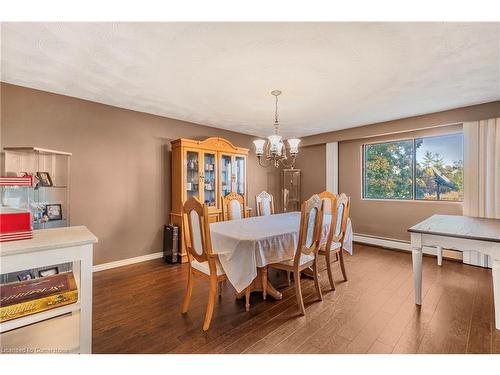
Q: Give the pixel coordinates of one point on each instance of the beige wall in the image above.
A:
(389, 219)
(120, 169)
(312, 163)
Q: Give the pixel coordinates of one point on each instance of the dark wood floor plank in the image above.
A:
(269, 336)
(137, 310)
(403, 308)
(449, 327)
(380, 348)
(361, 292)
(482, 319)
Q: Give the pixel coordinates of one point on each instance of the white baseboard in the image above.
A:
(390, 243)
(126, 262)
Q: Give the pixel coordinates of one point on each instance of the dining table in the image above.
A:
(246, 247)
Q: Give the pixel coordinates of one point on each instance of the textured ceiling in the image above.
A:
(333, 75)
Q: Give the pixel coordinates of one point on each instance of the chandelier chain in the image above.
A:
(276, 122)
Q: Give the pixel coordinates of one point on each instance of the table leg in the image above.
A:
(264, 282)
(439, 253)
(261, 284)
(496, 291)
(272, 291)
(417, 273)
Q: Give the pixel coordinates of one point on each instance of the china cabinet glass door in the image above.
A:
(239, 174)
(225, 174)
(209, 179)
(192, 175)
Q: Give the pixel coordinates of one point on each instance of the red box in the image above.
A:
(15, 224)
(16, 181)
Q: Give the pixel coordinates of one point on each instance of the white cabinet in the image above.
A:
(62, 326)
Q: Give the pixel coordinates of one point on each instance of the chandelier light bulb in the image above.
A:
(294, 145)
(259, 146)
(275, 143)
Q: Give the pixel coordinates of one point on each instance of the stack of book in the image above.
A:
(32, 296)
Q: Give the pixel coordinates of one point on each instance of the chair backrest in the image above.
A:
(343, 206)
(264, 204)
(233, 206)
(329, 209)
(310, 227)
(196, 230)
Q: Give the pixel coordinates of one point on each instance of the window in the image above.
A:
(439, 168)
(429, 168)
(389, 170)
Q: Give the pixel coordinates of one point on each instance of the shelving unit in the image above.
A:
(66, 329)
(57, 163)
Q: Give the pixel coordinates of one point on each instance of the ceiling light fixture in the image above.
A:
(274, 150)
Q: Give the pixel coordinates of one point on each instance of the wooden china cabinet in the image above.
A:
(206, 170)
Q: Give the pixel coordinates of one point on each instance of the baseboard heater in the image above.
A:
(391, 243)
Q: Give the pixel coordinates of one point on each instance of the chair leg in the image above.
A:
(189, 292)
(298, 292)
(342, 266)
(329, 269)
(264, 282)
(212, 294)
(288, 278)
(247, 298)
(219, 288)
(316, 278)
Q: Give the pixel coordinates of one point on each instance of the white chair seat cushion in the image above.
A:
(203, 267)
(334, 246)
(234, 210)
(304, 258)
(266, 207)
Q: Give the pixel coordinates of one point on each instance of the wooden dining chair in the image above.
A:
(202, 261)
(233, 207)
(338, 208)
(307, 246)
(264, 203)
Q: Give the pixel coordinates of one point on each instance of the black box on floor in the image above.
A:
(171, 243)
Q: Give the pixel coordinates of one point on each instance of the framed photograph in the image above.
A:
(25, 275)
(44, 179)
(48, 272)
(53, 211)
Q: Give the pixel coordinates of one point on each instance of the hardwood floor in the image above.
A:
(137, 310)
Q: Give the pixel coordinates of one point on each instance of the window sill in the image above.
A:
(411, 201)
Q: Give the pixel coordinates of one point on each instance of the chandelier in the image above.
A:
(274, 150)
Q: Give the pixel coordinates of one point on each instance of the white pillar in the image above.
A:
(332, 167)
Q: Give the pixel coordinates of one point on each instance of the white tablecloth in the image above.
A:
(243, 245)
